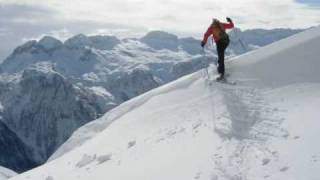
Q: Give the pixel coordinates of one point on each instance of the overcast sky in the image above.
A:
(21, 20)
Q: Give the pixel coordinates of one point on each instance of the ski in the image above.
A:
(223, 79)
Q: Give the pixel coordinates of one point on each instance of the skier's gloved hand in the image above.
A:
(229, 20)
(203, 43)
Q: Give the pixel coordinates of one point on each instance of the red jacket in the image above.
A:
(214, 32)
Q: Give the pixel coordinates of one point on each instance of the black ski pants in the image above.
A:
(222, 45)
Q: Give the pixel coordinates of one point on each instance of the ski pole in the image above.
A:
(206, 58)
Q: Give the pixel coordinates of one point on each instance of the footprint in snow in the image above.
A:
(266, 176)
(49, 178)
(284, 169)
(265, 161)
(104, 158)
(285, 133)
(214, 177)
(196, 126)
(197, 176)
(275, 154)
(131, 144)
(296, 137)
(85, 160)
(172, 133)
(315, 158)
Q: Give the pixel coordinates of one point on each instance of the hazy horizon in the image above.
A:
(21, 20)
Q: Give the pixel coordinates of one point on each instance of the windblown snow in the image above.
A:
(265, 126)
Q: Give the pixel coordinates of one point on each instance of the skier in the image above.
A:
(218, 31)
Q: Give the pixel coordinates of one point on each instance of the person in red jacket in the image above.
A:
(218, 31)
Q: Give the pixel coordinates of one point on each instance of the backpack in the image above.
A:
(223, 36)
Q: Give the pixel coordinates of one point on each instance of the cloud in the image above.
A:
(25, 19)
(16, 13)
(22, 22)
(150, 13)
(187, 16)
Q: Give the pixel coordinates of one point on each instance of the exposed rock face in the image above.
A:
(15, 154)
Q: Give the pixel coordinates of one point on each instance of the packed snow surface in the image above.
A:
(263, 123)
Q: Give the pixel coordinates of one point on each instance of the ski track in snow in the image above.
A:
(245, 124)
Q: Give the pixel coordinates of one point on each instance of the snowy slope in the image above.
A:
(264, 127)
(6, 173)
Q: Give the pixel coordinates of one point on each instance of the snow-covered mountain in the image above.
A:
(34, 107)
(50, 88)
(6, 173)
(263, 127)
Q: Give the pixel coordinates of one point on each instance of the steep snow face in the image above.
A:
(6, 173)
(300, 67)
(197, 128)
